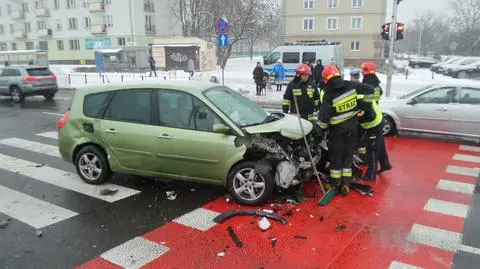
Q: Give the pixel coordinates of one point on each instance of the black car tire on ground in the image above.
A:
(16, 94)
(389, 127)
(244, 168)
(91, 152)
(49, 96)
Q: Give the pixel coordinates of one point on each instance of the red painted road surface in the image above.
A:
(374, 233)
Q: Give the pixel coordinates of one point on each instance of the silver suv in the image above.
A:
(21, 81)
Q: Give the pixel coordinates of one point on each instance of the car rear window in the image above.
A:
(39, 72)
(94, 104)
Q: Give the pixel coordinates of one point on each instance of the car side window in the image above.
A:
(470, 96)
(291, 57)
(179, 109)
(94, 104)
(132, 105)
(437, 96)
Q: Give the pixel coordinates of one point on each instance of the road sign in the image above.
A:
(221, 26)
(223, 40)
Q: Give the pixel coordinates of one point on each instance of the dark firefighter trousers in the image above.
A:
(376, 151)
(342, 142)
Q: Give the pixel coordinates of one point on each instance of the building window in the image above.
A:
(121, 41)
(356, 23)
(56, 4)
(9, 9)
(108, 20)
(307, 24)
(40, 25)
(29, 45)
(60, 45)
(39, 4)
(72, 23)
(357, 3)
(43, 45)
(332, 23)
(1, 29)
(70, 3)
(28, 27)
(25, 7)
(14, 46)
(108, 2)
(3, 46)
(58, 23)
(88, 22)
(355, 46)
(332, 3)
(74, 44)
(12, 28)
(0, 11)
(308, 4)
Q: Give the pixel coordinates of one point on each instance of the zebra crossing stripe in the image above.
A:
(30, 210)
(52, 135)
(31, 146)
(62, 179)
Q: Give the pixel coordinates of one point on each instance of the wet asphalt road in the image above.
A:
(100, 225)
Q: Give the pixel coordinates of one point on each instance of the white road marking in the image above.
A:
(52, 135)
(32, 146)
(53, 114)
(469, 148)
(443, 239)
(456, 186)
(447, 208)
(30, 210)
(466, 158)
(401, 265)
(62, 179)
(466, 171)
(200, 219)
(135, 253)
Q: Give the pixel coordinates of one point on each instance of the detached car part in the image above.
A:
(248, 212)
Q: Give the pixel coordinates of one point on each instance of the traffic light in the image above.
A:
(400, 31)
(386, 31)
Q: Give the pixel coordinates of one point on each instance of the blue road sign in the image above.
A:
(223, 40)
(221, 26)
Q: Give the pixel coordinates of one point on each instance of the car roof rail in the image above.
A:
(322, 42)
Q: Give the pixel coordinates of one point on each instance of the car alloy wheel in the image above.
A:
(462, 75)
(90, 166)
(249, 185)
(16, 95)
(388, 126)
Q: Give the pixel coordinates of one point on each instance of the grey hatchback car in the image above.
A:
(21, 81)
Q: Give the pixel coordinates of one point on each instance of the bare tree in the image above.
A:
(194, 15)
(467, 22)
(426, 25)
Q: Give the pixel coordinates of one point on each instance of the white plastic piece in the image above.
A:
(264, 224)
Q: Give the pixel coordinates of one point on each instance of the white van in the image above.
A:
(293, 54)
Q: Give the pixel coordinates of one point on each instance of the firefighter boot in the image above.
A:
(300, 194)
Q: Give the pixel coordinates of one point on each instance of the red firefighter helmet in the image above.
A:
(368, 67)
(304, 69)
(329, 72)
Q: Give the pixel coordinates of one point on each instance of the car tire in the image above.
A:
(389, 127)
(462, 75)
(16, 94)
(416, 66)
(235, 184)
(49, 96)
(92, 165)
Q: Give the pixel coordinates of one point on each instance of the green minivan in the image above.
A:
(183, 130)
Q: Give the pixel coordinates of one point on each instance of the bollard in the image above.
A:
(142, 77)
(433, 75)
(69, 79)
(103, 79)
(122, 78)
(164, 77)
(85, 78)
(406, 74)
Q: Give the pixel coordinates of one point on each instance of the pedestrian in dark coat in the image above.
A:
(317, 72)
(258, 77)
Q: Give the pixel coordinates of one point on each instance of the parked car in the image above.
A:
(22, 81)
(451, 69)
(421, 62)
(471, 70)
(186, 131)
(438, 108)
(444, 69)
(435, 67)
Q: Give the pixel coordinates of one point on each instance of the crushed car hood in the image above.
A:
(288, 127)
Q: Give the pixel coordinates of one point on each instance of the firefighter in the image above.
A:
(369, 70)
(338, 114)
(304, 91)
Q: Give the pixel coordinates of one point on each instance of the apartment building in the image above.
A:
(71, 29)
(355, 23)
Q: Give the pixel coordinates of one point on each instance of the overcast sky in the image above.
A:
(409, 8)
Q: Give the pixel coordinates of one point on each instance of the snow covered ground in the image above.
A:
(238, 76)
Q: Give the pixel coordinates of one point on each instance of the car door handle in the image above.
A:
(111, 131)
(164, 136)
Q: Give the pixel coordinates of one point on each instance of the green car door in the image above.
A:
(127, 130)
(186, 145)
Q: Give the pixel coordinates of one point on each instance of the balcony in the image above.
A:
(96, 7)
(42, 12)
(45, 33)
(18, 15)
(149, 7)
(20, 34)
(98, 29)
(150, 29)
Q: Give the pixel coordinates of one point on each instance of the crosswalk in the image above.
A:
(38, 212)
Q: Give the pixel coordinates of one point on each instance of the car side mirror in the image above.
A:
(220, 128)
(412, 101)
